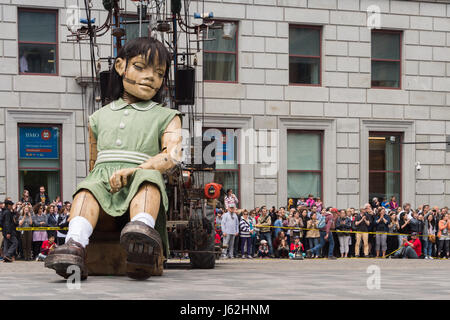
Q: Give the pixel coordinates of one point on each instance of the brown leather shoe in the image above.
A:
(144, 249)
(69, 254)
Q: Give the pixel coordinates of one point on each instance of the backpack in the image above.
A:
(321, 222)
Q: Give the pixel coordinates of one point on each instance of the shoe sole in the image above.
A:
(61, 263)
(143, 254)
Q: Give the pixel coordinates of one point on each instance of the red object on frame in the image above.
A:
(212, 190)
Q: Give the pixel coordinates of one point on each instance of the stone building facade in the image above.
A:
(342, 107)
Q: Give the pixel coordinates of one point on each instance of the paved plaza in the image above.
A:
(245, 279)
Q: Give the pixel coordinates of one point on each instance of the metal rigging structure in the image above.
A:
(192, 199)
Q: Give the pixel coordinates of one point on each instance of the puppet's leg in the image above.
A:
(139, 238)
(83, 219)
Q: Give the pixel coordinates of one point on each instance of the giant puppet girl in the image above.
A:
(133, 140)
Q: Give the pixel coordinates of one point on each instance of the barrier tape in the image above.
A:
(41, 229)
(368, 232)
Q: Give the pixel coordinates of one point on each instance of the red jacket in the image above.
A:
(417, 246)
(294, 247)
(46, 246)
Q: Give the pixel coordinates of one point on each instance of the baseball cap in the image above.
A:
(232, 205)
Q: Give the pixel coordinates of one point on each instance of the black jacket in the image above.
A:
(9, 227)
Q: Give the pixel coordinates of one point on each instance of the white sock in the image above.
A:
(145, 218)
(80, 229)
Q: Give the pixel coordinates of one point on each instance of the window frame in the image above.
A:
(236, 53)
(321, 133)
(60, 146)
(382, 134)
(55, 11)
(400, 33)
(316, 27)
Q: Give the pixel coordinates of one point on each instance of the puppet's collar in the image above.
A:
(141, 106)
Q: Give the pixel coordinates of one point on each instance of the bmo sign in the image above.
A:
(38, 142)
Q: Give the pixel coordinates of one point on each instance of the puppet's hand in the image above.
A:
(119, 179)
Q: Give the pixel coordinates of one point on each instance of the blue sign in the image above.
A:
(38, 143)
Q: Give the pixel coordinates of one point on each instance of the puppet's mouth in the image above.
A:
(146, 85)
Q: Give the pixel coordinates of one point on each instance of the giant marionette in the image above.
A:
(134, 140)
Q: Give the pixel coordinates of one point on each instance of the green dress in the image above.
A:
(128, 135)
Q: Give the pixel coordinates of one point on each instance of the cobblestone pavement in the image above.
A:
(243, 279)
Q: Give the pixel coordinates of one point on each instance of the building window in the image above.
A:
(305, 55)
(386, 57)
(385, 166)
(227, 167)
(40, 159)
(220, 56)
(38, 41)
(304, 163)
(131, 29)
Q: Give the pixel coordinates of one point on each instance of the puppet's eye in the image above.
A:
(138, 67)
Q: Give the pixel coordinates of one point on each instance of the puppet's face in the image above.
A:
(140, 79)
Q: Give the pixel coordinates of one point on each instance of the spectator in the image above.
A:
(63, 222)
(230, 198)
(310, 201)
(58, 203)
(26, 198)
(283, 249)
(278, 223)
(263, 250)
(2, 206)
(264, 223)
(39, 220)
(218, 221)
(381, 227)
(325, 235)
(313, 234)
(385, 203)
(351, 215)
(295, 222)
(9, 232)
(411, 249)
(395, 241)
(393, 205)
(444, 237)
(42, 197)
(47, 246)
(404, 222)
(415, 225)
(52, 220)
(296, 250)
(362, 223)
(343, 223)
(371, 227)
(429, 234)
(253, 232)
(26, 221)
(245, 234)
(301, 202)
(277, 240)
(318, 204)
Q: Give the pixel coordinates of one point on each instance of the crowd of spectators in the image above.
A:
(308, 229)
(28, 212)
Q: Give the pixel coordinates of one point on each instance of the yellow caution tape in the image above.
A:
(40, 229)
(298, 228)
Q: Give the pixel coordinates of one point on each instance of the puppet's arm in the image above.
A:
(169, 156)
(92, 150)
